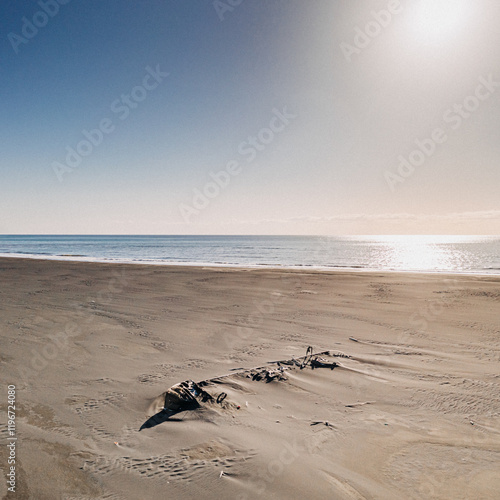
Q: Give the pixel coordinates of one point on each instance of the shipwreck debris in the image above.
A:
(324, 422)
(268, 375)
(322, 363)
(307, 359)
(184, 396)
(190, 395)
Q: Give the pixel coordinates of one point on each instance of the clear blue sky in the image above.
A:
(312, 123)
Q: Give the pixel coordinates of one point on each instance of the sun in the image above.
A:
(438, 21)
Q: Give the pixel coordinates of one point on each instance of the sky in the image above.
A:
(250, 117)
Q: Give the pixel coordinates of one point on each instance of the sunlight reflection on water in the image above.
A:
(419, 252)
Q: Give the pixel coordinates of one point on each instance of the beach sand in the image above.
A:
(411, 411)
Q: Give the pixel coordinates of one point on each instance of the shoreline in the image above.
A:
(271, 267)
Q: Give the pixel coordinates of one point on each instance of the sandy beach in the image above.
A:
(410, 410)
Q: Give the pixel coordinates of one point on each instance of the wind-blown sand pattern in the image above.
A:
(412, 409)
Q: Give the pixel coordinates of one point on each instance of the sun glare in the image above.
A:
(438, 21)
(420, 252)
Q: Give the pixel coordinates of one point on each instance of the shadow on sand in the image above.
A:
(159, 418)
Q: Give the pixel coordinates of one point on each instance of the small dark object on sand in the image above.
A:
(321, 363)
(326, 423)
(221, 397)
(307, 357)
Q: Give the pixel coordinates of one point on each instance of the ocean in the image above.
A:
(443, 254)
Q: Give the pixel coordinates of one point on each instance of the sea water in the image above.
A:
(447, 254)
